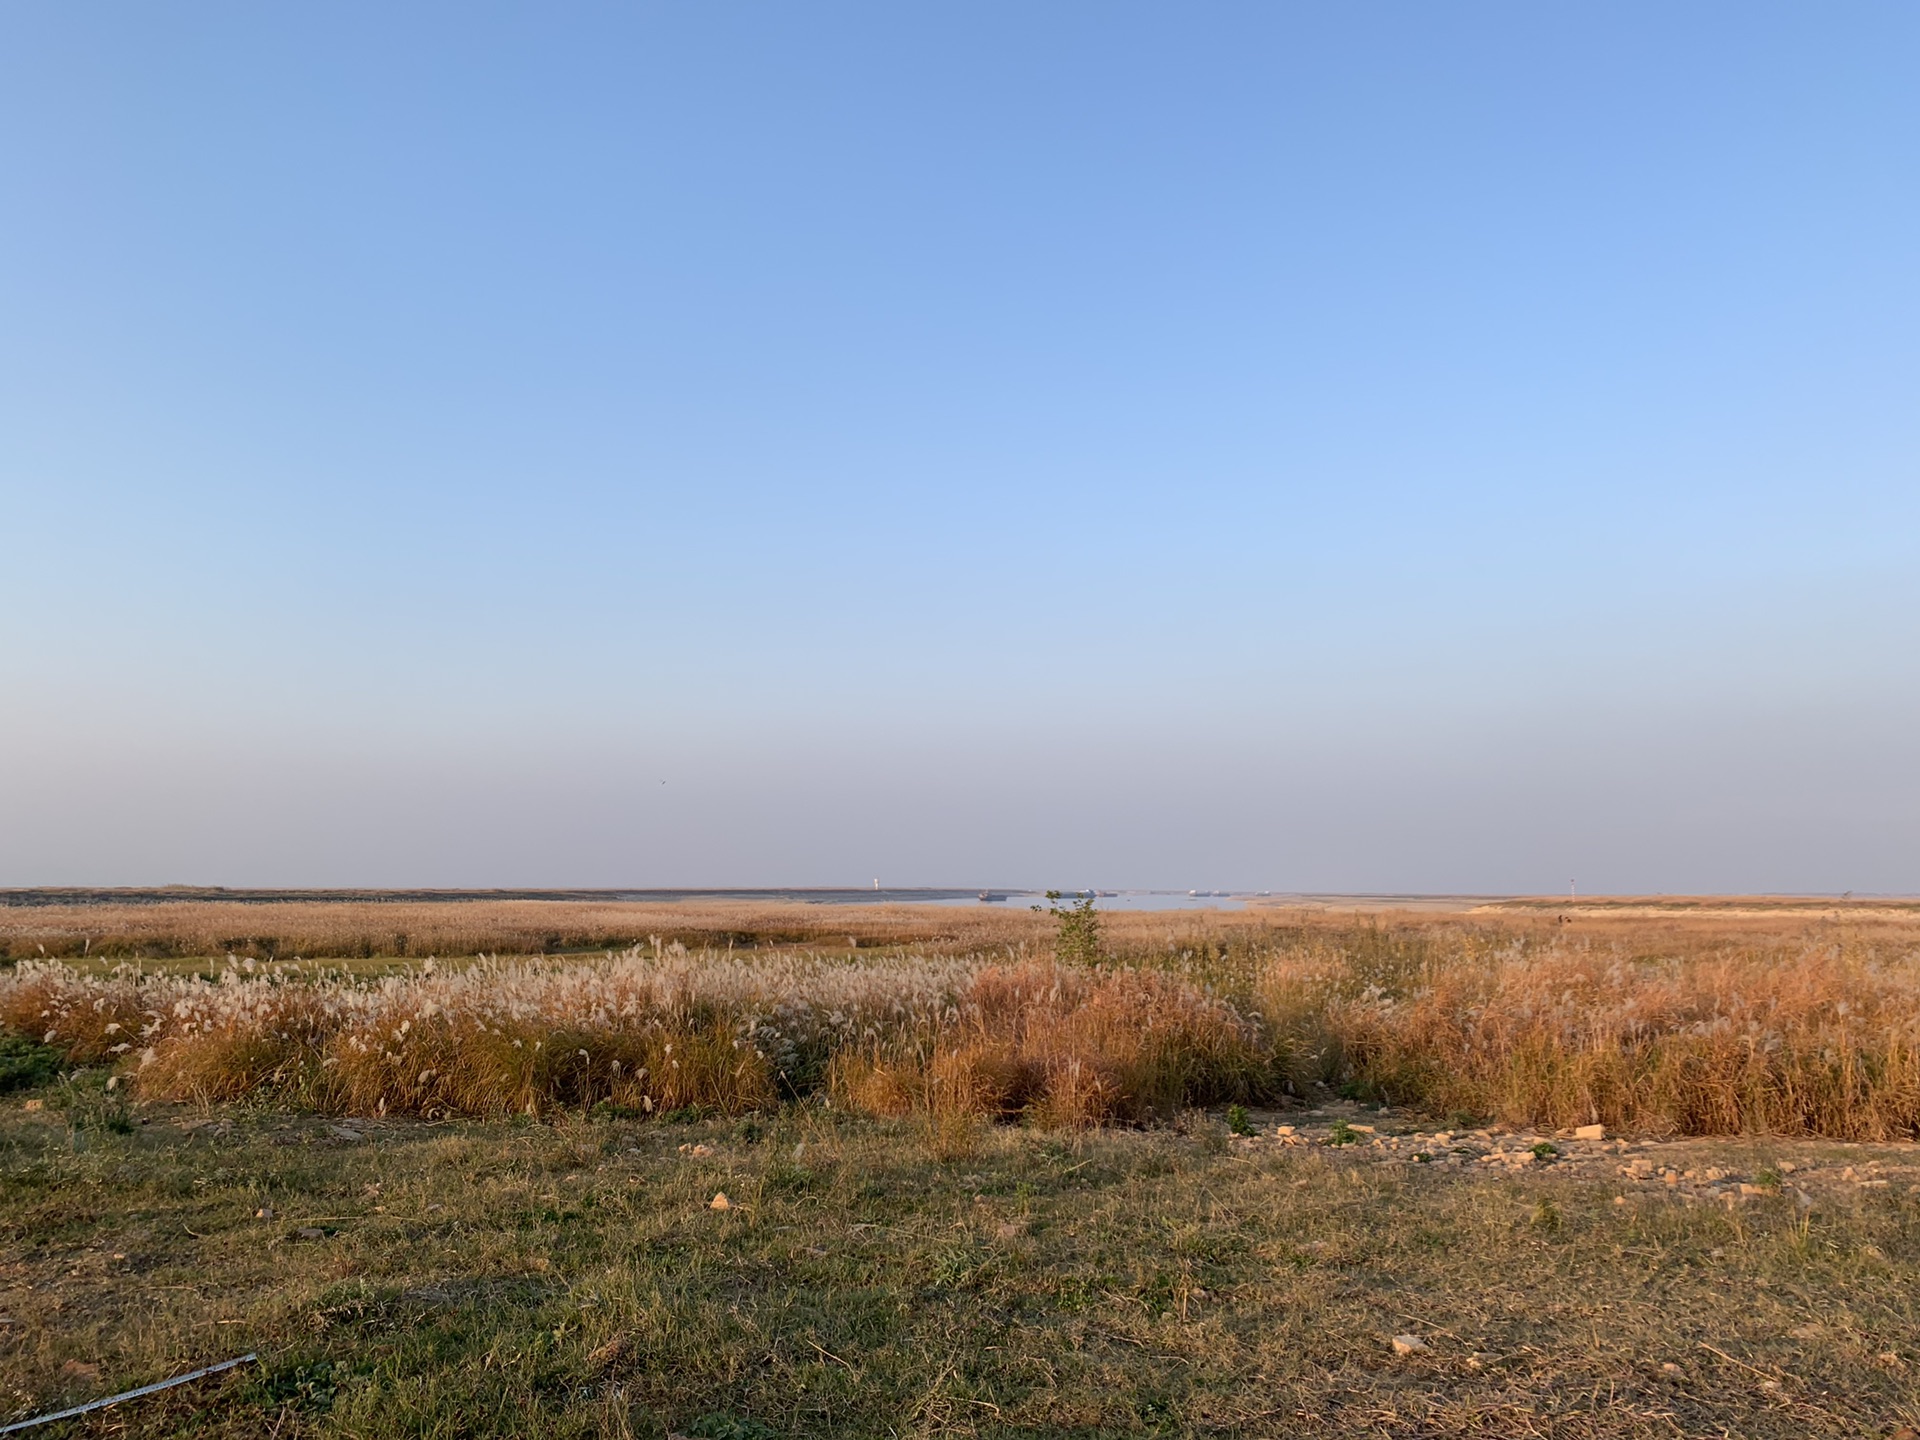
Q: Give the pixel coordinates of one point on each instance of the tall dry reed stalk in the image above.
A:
(1816, 1037)
(1648, 1029)
(1064, 1046)
(642, 1031)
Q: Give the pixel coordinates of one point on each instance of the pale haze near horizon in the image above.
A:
(1245, 448)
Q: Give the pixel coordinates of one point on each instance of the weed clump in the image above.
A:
(26, 1063)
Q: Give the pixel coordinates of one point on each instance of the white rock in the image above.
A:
(1590, 1132)
(1408, 1344)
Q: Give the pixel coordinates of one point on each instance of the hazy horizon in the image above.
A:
(1384, 452)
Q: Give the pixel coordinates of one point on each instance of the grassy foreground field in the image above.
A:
(403, 1278)
(475, 1195)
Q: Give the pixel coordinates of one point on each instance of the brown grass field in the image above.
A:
(1775, 1017)
(1192, 1181)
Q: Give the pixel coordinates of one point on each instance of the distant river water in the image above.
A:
(1009, 899)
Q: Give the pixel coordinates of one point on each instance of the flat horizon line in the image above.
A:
(30, 895)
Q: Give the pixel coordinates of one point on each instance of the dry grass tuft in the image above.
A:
(1064, 1047)
(1815, 1037)
(1649, 1024)
(640, 1032)
(1060, 1045)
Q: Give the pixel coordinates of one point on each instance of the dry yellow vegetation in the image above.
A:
(1789, 1019)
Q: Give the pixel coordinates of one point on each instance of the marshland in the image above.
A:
(594, 1168)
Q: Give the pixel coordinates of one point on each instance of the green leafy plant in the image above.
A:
(305, 1387)
(728, 1427)
(1237, 1120)
(26, 1063)
(1342, 1134)
(1076, 939)
(1546, 1150)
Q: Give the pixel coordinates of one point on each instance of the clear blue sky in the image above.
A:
(1297, 447)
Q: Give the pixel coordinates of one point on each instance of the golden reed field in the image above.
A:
(1667, 1016)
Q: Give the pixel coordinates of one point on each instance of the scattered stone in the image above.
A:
(1408, 1345)
(1670, 1368)
(720, 1202)
(265, 1212)
(342, 1132)
(81, 1370)
(1589, 1132)
(309, 1232)
(34, 1105)
(1011, 1230)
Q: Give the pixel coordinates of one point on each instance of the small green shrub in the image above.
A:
(728, 1427)
(26, 1063)
(1076, 939)
(1237, 1120)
